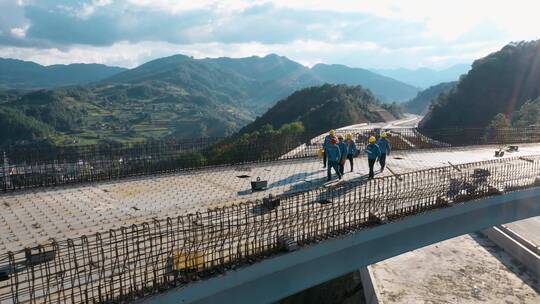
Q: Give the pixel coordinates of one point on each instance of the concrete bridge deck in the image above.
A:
(465, 269)
(33, 216)
(141, 254)
(277, 277)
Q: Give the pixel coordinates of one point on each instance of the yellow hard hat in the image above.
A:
(372, 139)
(348, 136)
(332, 132)
(384, 135)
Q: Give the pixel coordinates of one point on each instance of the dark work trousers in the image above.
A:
(335, 166)
(382, 161)
(324, 158)
(350, 157)
(371, 163)
(342, 167)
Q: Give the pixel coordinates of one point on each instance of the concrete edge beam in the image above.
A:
(371, 290)
(278, 277)
(520, 239)
(514, 248)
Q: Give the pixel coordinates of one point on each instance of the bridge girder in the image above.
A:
(275, 278)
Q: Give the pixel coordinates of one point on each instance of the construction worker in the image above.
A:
(384, 147)
(333, 155)
(326, 143)
(373, 152)
(351, 149)
(344, 149)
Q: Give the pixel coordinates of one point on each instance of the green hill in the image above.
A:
(192, 76)
(16, 126)
(499, 83)
(385, 88)
(269, 68)
(299, 117)
(420, 104)
(276, 77)
(324, 107)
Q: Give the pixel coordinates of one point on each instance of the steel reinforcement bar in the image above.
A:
(132, 262)
(30, 166)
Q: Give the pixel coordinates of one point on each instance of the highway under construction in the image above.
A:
(123, 239)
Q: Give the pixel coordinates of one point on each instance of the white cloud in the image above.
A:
(19, 32)
(179, 6)
(89, 8)
(444, 19)
(448, 31)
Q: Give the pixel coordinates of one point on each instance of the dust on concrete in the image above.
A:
(466, 269)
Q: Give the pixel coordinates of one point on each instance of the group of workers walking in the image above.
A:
(336, 151)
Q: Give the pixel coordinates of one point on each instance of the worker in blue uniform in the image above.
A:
(384, 147)
(373, 153)
(326, 143)
(344, 149)
(333, 155)
(351, 149)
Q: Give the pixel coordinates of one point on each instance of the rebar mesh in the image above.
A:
(131, 262)
(30, 166)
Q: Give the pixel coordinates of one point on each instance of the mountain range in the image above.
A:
(176, 96)
(425, 77)
(271, 77)
(267, 79)
(18, 74)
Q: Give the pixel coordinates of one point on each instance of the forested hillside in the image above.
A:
(420, 104)
(15, 124)
(324, 107)
(500, 83)
(303, 115)
(528, 115)
(275, 76)
(122, 113)
(175, 96)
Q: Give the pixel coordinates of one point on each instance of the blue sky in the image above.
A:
(370, 34)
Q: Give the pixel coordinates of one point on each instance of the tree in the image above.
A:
(527, 115)
(497, 129)
(293, 128)
(499, 122)
(498, 83)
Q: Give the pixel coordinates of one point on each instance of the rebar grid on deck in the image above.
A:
(131, 262)
(36, 166)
